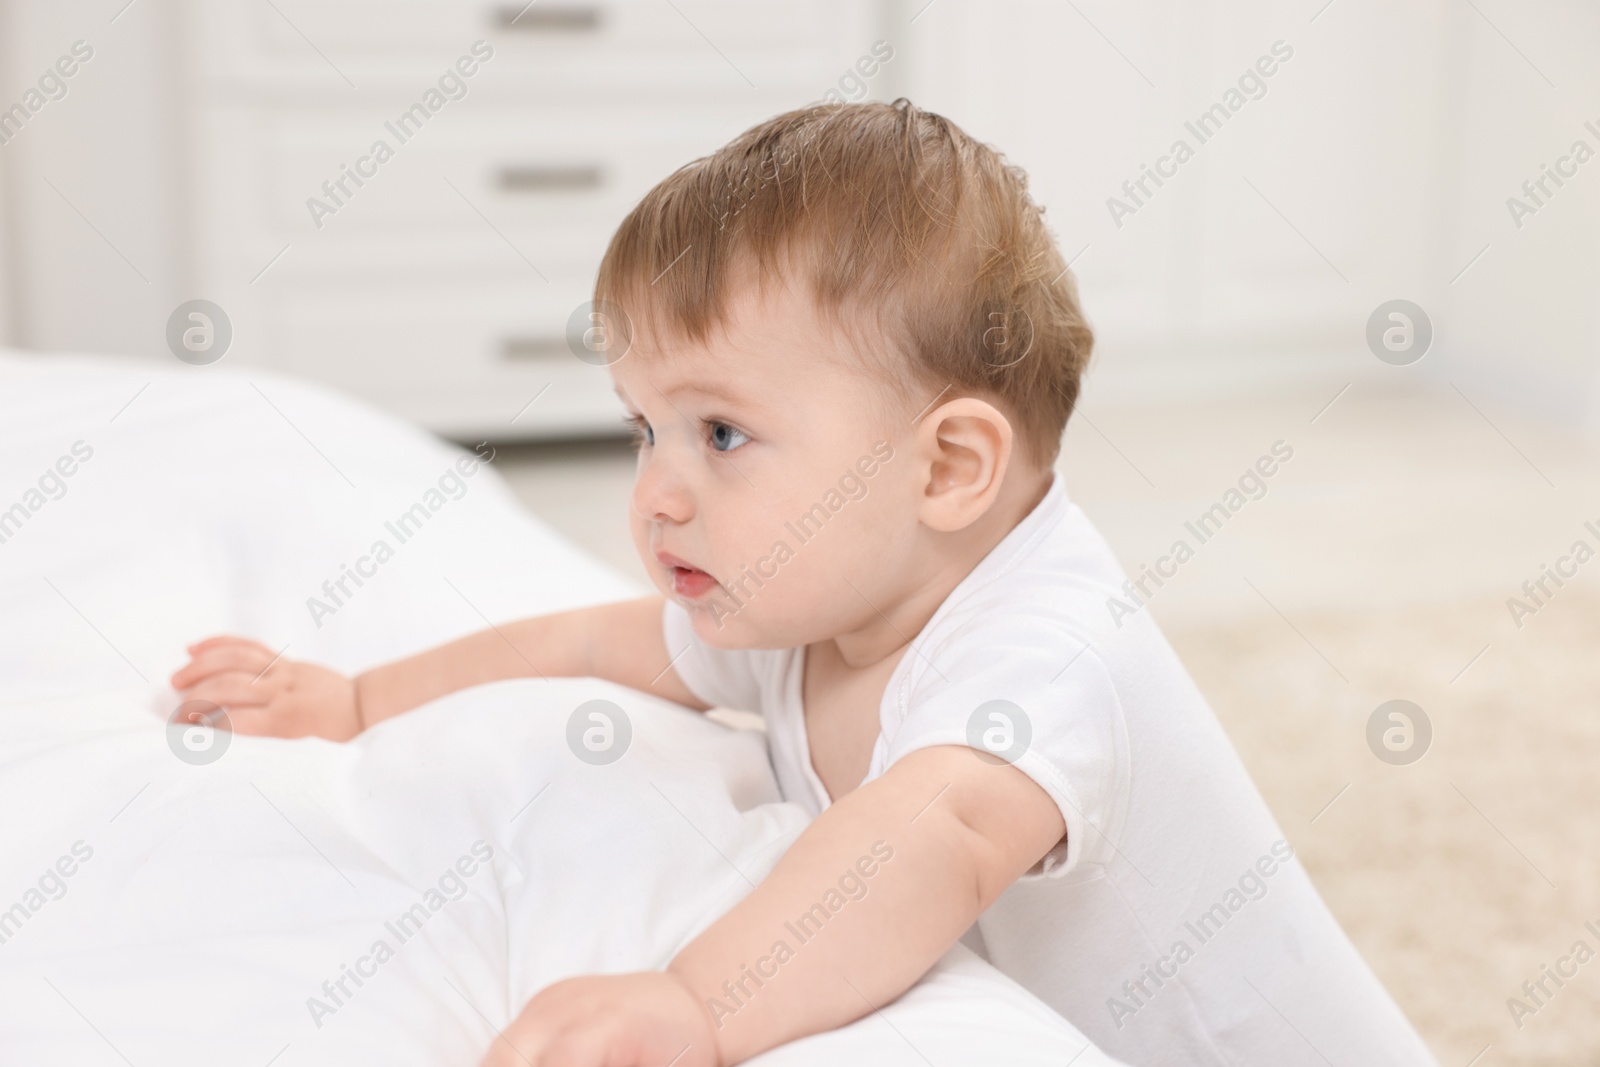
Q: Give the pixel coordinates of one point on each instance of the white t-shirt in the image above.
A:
(1175, 926)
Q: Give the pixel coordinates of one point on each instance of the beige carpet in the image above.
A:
(1459, 875)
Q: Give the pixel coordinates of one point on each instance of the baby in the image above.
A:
(848, 348)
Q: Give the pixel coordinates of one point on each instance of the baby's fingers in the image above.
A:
(231, 689)
(222, 654)
(226, 639)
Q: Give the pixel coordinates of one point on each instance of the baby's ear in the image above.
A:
(965, 448)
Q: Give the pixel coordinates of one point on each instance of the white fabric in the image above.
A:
(181, 914)
(1162, 819)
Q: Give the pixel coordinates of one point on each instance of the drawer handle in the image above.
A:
(539, 179)
(535, 347)
(534, 17)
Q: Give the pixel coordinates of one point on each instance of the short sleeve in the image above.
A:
(722, 678)
(1037, 695)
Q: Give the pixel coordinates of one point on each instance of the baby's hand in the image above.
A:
(647, 1019)
(266, 695)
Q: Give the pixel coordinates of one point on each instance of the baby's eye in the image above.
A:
(725, 438)
(642, 433)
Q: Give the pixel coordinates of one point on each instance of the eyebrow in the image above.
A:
(712, 390)
(715, 392)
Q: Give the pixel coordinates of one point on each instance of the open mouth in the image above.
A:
(688, 581)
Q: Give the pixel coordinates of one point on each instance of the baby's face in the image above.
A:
(775, 497)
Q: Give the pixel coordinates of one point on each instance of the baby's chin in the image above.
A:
(720, 625)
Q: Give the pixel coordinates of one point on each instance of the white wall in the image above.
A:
(1389, 141)
(9, 252)
(1522, 325)
(95, 177)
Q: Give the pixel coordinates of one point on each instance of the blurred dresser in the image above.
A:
(408, 199)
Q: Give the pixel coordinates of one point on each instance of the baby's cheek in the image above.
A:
(799, 575)
(639, 530)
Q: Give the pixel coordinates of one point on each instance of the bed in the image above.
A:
(176, 896)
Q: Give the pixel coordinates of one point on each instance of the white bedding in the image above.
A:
(207, 905)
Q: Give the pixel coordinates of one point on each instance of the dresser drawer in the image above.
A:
(486, 186)
(604, 45)
(477, 341)
(440, 286)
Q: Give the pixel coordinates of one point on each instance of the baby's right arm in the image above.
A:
(265, 694)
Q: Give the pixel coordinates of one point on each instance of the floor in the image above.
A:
(1375, 563)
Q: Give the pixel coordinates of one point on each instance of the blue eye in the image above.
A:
(642, 433)
(725, 438)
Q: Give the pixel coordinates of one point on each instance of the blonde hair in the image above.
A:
(892, 214)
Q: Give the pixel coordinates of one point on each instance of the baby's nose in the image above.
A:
(659, 496)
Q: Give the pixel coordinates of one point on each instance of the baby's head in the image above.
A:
(851, 350)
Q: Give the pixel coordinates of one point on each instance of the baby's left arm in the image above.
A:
(867, 899)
